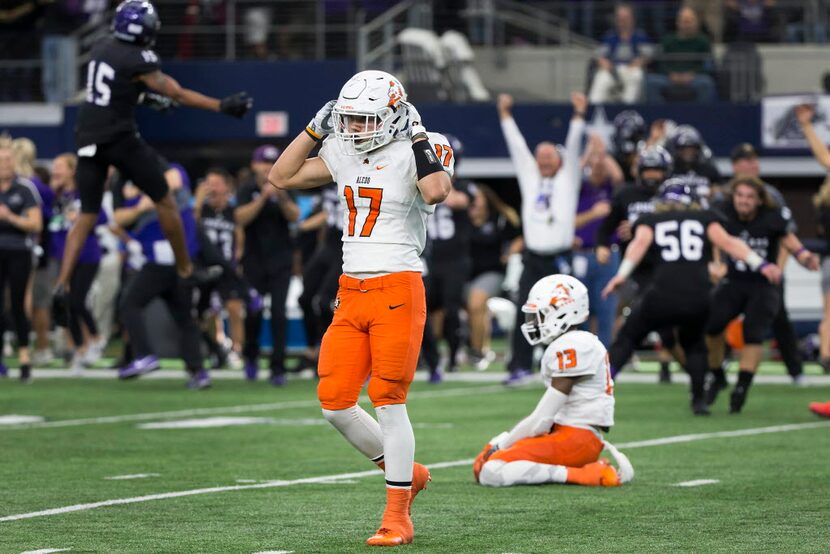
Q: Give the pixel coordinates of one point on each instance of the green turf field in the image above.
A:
(772, 494)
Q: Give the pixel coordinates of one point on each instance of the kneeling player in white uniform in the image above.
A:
(560, 442)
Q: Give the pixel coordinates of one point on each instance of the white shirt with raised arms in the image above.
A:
(548, 203)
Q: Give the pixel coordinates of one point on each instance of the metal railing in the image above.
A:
(501, 22)
(376, 40)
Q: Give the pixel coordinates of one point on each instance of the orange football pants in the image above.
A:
(376, 332)
(565, 446)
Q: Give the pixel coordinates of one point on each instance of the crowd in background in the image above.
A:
(652, 51)
(259, 238)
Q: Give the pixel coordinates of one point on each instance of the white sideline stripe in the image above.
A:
(46, 551)
(286, 405)
(275, 552)
(128, 477)
(360, 474)
(697, 483)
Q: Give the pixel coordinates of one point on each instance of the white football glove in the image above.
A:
(321, 124)
(415, 127)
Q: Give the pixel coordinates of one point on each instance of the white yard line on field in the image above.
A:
(245, 408)
(697, 483)
(46, 551)
(129, 477)
(360, 474)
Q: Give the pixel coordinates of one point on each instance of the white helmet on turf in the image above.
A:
(555, 304)
(369, 112)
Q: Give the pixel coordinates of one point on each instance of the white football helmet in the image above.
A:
(555, 304)
(369, 112)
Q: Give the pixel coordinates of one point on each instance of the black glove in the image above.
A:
(236, 105)
(156, 101)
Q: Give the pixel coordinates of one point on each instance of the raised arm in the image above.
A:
(433, 183)
(235, 105)
(805, 113)
(516, 145)
(294, 169)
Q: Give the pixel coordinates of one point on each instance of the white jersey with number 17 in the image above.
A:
(384, 214)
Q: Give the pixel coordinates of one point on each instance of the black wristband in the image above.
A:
(426, 161)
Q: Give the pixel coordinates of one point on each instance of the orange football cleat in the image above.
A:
(390, 537)
(597, 474)
(420, 478)
(820, 408)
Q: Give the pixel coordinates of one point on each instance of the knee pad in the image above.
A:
(383, 392)
(332, 397)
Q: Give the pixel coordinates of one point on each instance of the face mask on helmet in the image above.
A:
(651, 183)
(368, 113)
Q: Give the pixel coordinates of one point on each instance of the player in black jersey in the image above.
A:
(120, 68)
(654, 165)
(450, 231)
(221, 240)
(749, 214)
(679, 235)
(629, 131)
(693, 159)
(322, 271)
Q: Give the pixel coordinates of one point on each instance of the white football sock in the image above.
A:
(497, 473)
(398, 444)
(360, 429)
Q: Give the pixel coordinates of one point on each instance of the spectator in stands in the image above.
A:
(682, 71)
(257, 21)
(67, 205)
(621, 58)
(745, 162)
(19, 40)
(601, 176)
(806, 113)
(750, 21)
(496, 234)
(821, 201)
(59, 49)
(20, 218)
(549, 181)
(265, 212)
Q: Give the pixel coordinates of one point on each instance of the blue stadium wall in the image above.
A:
(299, 88)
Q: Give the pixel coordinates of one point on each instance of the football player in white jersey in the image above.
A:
(390, 173)
(560, 442)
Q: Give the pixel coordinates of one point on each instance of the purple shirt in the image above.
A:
(589, 195)
(59, 226)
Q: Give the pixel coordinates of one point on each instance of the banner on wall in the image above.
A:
(779, 127)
